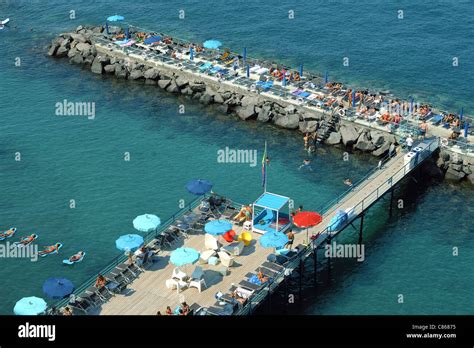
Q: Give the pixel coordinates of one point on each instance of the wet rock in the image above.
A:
(72, 52)
(206, 99)
(136, 75)
(246, 112)
(62, 51)
(349, 134)
(181, 82)
(382, 150)
(164, 83)
(218, 98)
(197, 96)
(96, 67)
(264, 115)
(77, 59)
(454, 175)
(197, 86)
(377, 138)
(334, 138)
(83, 46)
(308, 126)
(120, 71)
(53, 49)
(249, 101)
(223, 108)
(89, 59)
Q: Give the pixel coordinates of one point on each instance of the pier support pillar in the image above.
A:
(361, 228)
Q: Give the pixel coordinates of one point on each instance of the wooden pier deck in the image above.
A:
(148, 294)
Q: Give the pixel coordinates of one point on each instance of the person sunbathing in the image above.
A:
(237, 296)
(8, 233)
(76, 257)
(27, 240)
(100, 281)
(49, 249)
(262, 277)
(297, 77)
(241, 215)
(169, 311)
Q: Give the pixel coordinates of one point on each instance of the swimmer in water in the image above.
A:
(348, 182)
(49, 249)
(306, 164)
(76, 257)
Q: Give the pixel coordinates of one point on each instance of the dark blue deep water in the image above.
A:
(75, 158)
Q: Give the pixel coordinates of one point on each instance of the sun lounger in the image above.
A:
(81, 305)
(267, 272)
(251, 286)
(273, 266)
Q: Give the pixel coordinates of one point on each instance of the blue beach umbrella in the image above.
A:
(146, 222)
(30, 306)
(248, 71)
(58, 288)
(212, 44)
(244, 56)
(466, 129)
(326, 77)
(184, 256)
(301, 70)
(273, 239)
(353, 98)
(129, 242)
(461, 114)
(199, 186)
(217, 227)
(152, 40)
(191, 53)
(115, 18)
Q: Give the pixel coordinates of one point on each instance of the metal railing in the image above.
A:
(257, 297)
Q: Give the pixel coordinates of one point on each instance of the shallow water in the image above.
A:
(64, 158)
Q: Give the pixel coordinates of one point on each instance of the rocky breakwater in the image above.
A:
(455, 167)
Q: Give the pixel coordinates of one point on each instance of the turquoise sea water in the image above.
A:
(64, 158)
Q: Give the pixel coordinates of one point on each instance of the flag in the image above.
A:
(264, 168)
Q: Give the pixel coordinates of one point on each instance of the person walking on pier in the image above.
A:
(291, 238)
(409, 142)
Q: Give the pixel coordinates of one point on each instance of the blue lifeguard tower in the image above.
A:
(268, 215)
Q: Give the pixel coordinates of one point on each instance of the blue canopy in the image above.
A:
(58, 288)
(337, 221)
(272, 201)
(273, 239)
(146, 222)
(115, 18)
(152, 39)
(184, 256)
(217, 227)
(30, 306)
(212, 44)
(129, 242)
(199, 186)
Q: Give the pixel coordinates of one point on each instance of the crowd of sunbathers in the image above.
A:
(182, 309)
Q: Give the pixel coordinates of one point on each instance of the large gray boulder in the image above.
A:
(197, 86)
(264, 115)
(290, 109)
(308, 126)
(246, 112)
(136, 75)
(61, 51)
(181, 82)
(79, 37)
(83, 46)
(378, 138)
(120, 71)
(173, 87)
(164, 83)
(206, 99)
(77, 59)
(349, 134)
(382, 150)
(109, 69)
(287, 121)
(89, 59)
(470, 178)
(96, 66)
(72, 52)
(249, 101)
(53, 49)
(364, 144)
(151, 74)
(334, 138)
(223, 108)
(218, 98)
(454, 175)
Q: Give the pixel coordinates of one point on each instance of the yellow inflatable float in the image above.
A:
(245, 237)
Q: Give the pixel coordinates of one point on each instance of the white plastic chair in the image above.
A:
(210, 242)
(198, 284)
(225, 258)
(178, 274)
(176, 284)
(197, 273)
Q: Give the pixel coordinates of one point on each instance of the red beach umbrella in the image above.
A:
(307, 219)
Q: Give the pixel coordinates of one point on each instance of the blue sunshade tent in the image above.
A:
(146, 222)
(466, 129)
(337, 221)
(129, 242)
(115, 18)
(212, 44)
(184, 256)
(199, 186)
(217, 227)
(30, 306)
(273, 239)
(152, 40)
(58, 288)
